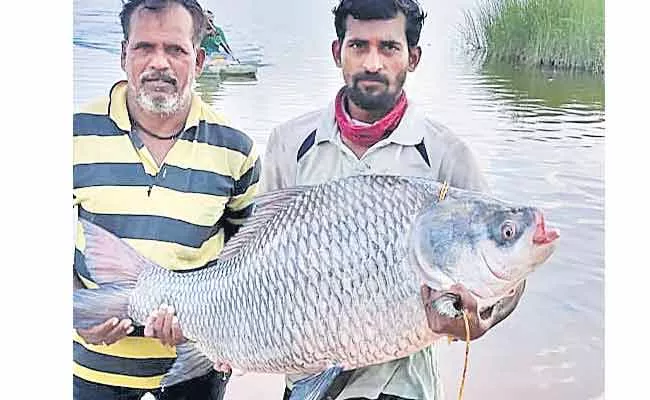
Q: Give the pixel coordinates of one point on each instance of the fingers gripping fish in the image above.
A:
(324, 278)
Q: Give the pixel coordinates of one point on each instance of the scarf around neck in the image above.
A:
(368, 135)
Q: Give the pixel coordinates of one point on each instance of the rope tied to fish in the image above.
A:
(441, 196)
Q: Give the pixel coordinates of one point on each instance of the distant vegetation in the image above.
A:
(566, 34)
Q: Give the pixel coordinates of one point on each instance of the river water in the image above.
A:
(539, 135)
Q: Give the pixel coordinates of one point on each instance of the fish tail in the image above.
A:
(94, 306)
(110, 260)
(115, 267)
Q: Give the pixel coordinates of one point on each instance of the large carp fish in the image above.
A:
(324, 278)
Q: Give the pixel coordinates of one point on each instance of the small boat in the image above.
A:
(226, 65)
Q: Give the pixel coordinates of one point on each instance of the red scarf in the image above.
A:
(368, 135)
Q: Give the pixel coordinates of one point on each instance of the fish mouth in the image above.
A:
(543, 236)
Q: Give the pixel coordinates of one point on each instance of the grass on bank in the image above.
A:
(567, 34)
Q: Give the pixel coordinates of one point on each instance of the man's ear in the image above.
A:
(336, 52)
(200, 61)
(123, 55)
(415, 53)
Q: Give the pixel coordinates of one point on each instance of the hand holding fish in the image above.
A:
(328, 278)
(222, 367)
(478, 326)
(163, 324)
(107, 332)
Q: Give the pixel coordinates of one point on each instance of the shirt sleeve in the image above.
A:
(460, 169)
(241, 204)
(279, 164)
(79, 263)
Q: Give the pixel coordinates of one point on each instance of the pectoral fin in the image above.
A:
(314, 387)
(190, 363)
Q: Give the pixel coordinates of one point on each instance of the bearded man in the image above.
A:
(372, 127)
(154, 165)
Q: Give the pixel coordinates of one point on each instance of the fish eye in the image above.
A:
(508, 230)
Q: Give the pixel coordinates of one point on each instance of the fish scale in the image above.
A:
(326, 275)
(364, 316)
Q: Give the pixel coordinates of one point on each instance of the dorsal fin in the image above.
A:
(266, 206)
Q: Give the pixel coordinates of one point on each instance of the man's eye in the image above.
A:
(177, 50)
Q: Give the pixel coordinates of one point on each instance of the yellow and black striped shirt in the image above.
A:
(178, 214)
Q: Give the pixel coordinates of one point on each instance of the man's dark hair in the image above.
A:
(192, 6)
(381, 9)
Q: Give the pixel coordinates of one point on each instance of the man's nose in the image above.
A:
(373, 61)
(158, 60)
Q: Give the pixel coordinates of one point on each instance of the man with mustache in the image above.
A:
(156, 166)
(372, 127)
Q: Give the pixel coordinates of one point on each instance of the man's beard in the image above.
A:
(376, 103)
(160, 102)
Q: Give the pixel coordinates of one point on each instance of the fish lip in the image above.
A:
(542, 236)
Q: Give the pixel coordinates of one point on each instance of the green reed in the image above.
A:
(567, 34)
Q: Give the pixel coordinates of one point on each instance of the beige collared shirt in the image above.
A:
(308, 150)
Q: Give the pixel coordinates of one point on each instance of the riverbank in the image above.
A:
(564, 34)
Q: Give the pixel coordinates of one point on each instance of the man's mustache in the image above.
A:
(364, 76)
(158, 76)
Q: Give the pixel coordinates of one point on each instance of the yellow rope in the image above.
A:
(467, 340)
(441, 196)
(443, 191)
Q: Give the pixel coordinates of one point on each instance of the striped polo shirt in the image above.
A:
(178, 214)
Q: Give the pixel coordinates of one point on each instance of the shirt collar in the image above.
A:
(327, 130)
(409, 132)
(119, 113)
